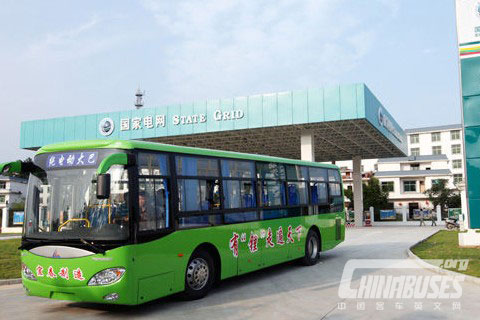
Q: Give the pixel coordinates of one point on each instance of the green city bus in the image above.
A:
(127, 222)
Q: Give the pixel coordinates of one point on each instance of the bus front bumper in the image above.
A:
(116, 293)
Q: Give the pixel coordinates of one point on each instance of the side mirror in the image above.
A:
(103, 186)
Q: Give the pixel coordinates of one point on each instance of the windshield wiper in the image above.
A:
(94, 247)
(28, 243)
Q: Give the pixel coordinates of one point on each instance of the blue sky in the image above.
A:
(65, 58)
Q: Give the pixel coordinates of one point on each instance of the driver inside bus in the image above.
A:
(147, 222)
(120, 210)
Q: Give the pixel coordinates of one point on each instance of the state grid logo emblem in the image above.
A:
(106, 126)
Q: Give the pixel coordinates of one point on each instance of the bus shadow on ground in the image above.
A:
(270, 280)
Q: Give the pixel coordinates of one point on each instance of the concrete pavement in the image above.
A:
(287, 291)
(9, 237)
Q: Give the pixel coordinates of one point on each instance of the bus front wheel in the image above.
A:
(199, 276)
(312, 249)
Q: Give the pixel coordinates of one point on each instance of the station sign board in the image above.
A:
(468, 35)
(107, 125)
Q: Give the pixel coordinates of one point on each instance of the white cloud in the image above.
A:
(261, 45)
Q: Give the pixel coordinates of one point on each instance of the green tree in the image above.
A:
(455, 201)
(18, 206)
(373, 195)
(440, 194)
(349, 195)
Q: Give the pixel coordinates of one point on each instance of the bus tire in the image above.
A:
(312, 249)
(199, 275)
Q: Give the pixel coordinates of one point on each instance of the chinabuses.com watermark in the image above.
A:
(378, 283)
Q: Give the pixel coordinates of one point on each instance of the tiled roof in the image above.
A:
(435, 128)
(415, 158)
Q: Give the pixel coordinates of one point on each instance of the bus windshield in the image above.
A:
(62, 205)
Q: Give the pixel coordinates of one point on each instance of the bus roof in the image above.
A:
(135, 144)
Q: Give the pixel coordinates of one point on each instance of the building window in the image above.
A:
(3, 185)
(388, 186)
(415, 166)
(455, 135)
(457, 178)
(457, 164)
(456, 149)
(2, 199)
(375, 166)
(410, 186)
(414, 138)
(415, 152)
(436, 150)
(435, 136)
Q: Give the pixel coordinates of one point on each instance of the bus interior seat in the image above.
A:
(248, 201)
(314, 189)
(292, 194)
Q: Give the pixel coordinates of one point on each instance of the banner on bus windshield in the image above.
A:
(72, 159)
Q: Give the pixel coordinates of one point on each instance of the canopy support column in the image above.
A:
(358, 191)
(307, 146)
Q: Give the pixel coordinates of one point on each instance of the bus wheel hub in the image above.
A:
(197, 274)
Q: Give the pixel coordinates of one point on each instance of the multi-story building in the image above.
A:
(406, 179)
(12, 190)
(445, 140)
(434, 153)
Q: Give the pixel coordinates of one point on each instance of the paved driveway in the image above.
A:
(2, 237)
(288, 291)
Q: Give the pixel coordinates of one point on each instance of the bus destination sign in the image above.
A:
(72, 159)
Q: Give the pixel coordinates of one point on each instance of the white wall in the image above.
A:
(425, 144)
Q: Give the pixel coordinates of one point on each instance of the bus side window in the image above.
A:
(239, 194)
(297, 193)
(238, 184)
(193, 166)
(153, 204)
(319, 193)
(152, 164)
(198, 194)
(272, 193)
(319, 190)
(154, 191)
(335, 190)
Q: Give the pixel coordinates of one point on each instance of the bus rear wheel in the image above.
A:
(199, 276)
(312, 249)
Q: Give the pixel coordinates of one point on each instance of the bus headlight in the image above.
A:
(27, 273)
(107, 276)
